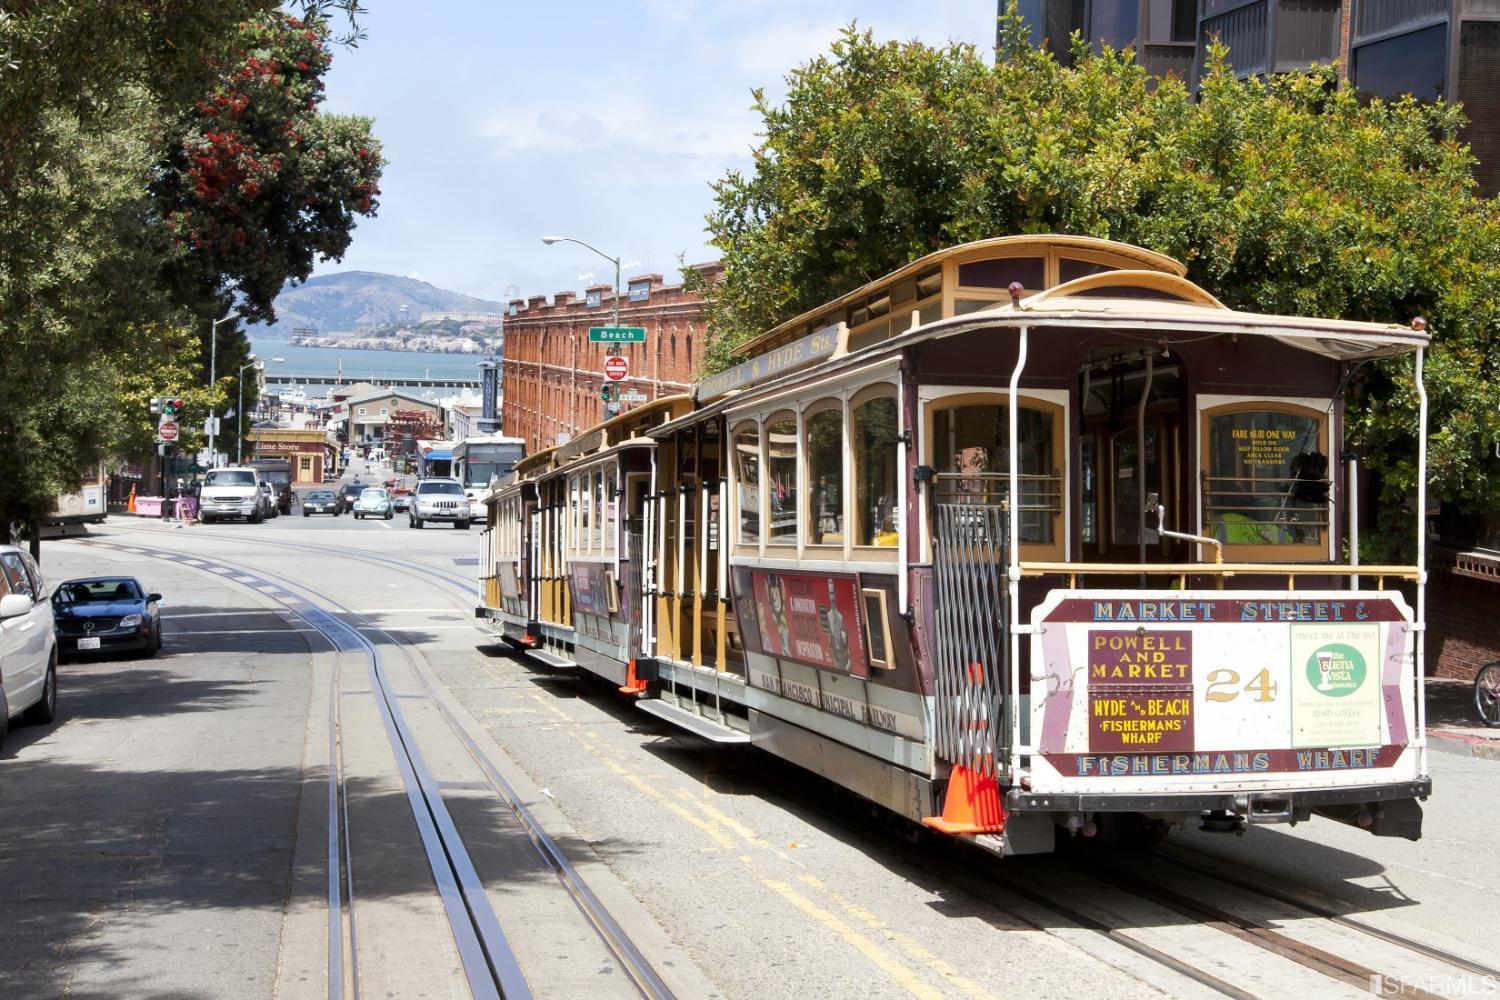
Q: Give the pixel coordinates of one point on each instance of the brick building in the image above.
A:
(552, 376)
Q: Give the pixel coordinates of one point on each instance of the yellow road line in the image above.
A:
(886, 963)
(906, 942)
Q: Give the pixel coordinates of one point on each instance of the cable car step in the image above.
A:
(547, 659)
(692, 722)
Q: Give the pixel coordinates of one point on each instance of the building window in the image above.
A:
(1414, 63)
(781, 469)
(825, 474)
(875, 496)
(304, 465)
(361, 411)
(747, 481)
(384, 412)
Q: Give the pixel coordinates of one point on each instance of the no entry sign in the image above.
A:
(616, 369)
(166, 431)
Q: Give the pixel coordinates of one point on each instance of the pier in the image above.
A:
(281, 378)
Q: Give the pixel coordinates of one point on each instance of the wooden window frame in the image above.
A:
(742, 547)
(827, 404)
(1056, 550)
(852, 524)
(1270, 552)
(780, 549)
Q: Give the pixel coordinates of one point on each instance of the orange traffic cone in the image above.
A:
(633, 684)
(972, 805)
(130, 502)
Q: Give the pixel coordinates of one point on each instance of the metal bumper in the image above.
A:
(1265, 802)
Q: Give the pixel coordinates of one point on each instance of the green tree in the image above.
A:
(105, 296)
(1290, 195)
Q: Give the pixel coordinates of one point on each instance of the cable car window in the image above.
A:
(971, 448)
(781, 470)
(875, 495)
(825, 476)
(1267, 477)
(1029, 271)
(747, 482)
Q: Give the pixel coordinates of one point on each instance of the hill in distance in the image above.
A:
(354, 300)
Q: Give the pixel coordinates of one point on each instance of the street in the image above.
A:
(169, 834)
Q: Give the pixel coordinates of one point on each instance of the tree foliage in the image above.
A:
(105, 296)
(1290, 195)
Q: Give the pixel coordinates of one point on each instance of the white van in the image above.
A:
(28, 646)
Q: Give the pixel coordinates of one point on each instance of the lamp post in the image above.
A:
(239, 410)
(213, 349)
(550, 240)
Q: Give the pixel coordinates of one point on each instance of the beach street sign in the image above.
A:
(632, 397)
(617, 369)
(617, 334)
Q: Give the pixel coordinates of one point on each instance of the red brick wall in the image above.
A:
(552, 375)
(1463, 615)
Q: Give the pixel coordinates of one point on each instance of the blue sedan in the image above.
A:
(106, 614)
(373, 502)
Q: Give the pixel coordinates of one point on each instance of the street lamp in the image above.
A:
(239, 410)
(549, 240)
(213, 348)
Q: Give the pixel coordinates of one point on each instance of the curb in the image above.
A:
(1463, 745)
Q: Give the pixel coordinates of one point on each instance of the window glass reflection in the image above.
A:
(781, 467)
(875, 497)
(825, 477)
(747, 482)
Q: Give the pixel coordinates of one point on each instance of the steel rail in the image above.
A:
(490, 966)
(640, 970)
(636, 966)
(1288, 899)
(1257, 933)
(340, 861)
(615, 938)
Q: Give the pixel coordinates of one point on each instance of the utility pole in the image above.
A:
(213, 348)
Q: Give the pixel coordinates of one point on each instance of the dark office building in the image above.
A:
(1432, 49)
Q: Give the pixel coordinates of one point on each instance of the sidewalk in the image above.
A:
(1453, 725)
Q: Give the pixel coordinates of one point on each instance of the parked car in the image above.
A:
(349, 492)
(106, 614)
(268, 507)
(231, 492)
(440, 500)
(401, 499)
(28, 649)
(373, 502)
(476, 502)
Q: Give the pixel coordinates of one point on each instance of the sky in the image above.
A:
(503, 122)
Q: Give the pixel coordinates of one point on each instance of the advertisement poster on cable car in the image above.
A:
(811, 619)
(1202, 690)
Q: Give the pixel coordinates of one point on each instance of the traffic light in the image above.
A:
(155, 404)
(604, 393)
(171, 407)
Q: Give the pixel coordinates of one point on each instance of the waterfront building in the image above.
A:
(552, 376)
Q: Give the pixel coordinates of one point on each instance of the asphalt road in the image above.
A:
(162, 838)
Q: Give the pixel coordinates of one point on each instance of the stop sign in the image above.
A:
(166, 430)
(616, 368)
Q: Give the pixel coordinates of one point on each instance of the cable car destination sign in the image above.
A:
(814, 347)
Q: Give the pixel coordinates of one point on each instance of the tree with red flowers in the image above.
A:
(257, 183)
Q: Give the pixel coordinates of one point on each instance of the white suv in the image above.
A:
(28, 647)
(231, 492)
(440, 500)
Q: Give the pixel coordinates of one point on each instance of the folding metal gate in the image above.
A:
(971, 651)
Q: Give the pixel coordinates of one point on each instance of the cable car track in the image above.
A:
(1250, 930)
(490, 964)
